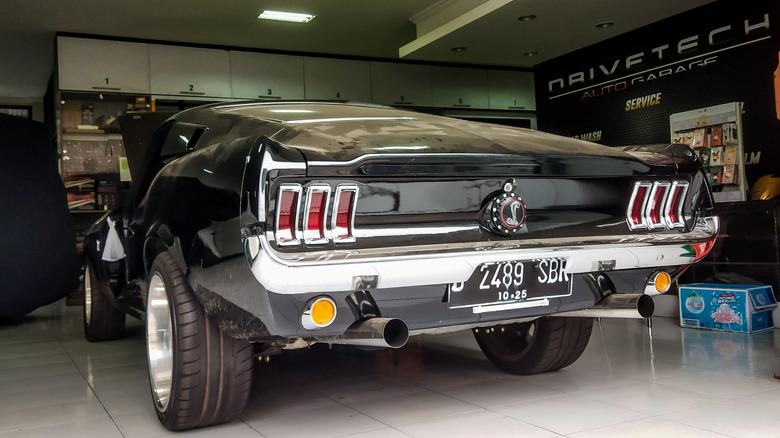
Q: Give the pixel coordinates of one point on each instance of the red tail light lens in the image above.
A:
(317, 199)
(673, 213)
(637, 205)
(287, 215)
(344, 213)
(655, 205)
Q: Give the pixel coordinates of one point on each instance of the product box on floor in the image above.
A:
(744, 308)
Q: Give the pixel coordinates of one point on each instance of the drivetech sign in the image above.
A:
(622, 90)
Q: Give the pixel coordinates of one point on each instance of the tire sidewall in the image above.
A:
(158, 267)
(88, 276)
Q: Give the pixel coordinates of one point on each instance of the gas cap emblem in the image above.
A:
(506, 212)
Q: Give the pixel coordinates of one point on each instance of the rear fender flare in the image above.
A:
(162, 241)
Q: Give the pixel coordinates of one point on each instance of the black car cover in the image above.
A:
(38, 259)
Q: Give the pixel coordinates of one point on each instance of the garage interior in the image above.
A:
(611, 72)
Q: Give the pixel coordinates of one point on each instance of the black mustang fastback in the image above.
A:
(256, 227)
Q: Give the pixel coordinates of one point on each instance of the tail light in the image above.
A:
(636, 206)
(344, 213)
(316, 208)
(287, 214)
(657, 205)
(317, 199)
(673, 213)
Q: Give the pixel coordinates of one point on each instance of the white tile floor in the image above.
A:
(684, 382)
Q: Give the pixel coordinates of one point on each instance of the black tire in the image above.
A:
(210, 373)
(545, 344)
(102, 321)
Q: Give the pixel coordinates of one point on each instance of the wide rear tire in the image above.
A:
(199, 376)
(545, 344)
(102, 321)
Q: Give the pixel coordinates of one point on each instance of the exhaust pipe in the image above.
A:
(618, 306)
(373, 332)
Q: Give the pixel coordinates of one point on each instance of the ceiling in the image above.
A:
(488, 29)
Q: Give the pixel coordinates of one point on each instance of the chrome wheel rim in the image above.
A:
(159, 342)
(87, 294)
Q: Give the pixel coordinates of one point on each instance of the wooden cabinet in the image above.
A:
(266, 76)
(189, 71)
(401, 84)
(459, 87)
(100, 65)
(512, 90)
(212, 74)
(337, 79)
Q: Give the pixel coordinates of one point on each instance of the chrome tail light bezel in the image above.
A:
(341, 190)
(682, 186)
(656, 203)
(643, 188)
(330, 226)
(647, 211)
(311, 237)
(295, 231)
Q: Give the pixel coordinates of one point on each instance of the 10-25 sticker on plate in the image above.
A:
(512, 282)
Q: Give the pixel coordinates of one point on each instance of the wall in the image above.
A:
(36, 104)
(622, 91)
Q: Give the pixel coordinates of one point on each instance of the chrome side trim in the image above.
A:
(334, 271)
(269, 164)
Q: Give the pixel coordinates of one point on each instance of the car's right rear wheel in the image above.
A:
(544, 344)
(199, 376)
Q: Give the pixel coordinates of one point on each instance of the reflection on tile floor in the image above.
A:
(684, 382)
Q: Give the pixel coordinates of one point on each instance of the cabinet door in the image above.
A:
(401, 84)
(189, 71)
(512, 90)
(459, 87)
(99, 65)
(266, 76)
(337, 79)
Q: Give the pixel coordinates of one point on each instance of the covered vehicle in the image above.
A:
(257, 227)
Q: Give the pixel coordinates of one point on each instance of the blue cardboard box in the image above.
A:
(744, 308)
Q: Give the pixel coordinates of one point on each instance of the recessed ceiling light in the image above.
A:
(526, 17)
(605, 24)
(458, 49)
(286, 16)
(531, 53)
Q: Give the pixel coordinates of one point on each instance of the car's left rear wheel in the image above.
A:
(102, 321)
(199, 376)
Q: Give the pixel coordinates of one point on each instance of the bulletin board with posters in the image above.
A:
(715, 134)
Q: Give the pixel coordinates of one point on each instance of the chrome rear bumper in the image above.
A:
(348, 270)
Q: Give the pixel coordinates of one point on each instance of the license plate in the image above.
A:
(512, 282)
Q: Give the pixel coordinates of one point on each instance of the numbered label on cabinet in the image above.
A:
(189, 71)
(86, 64)
(266, 76)
(337, 78)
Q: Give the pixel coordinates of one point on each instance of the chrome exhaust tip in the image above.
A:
(618, 306)
(373, 332)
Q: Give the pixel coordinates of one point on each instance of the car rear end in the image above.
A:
(445, 224)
